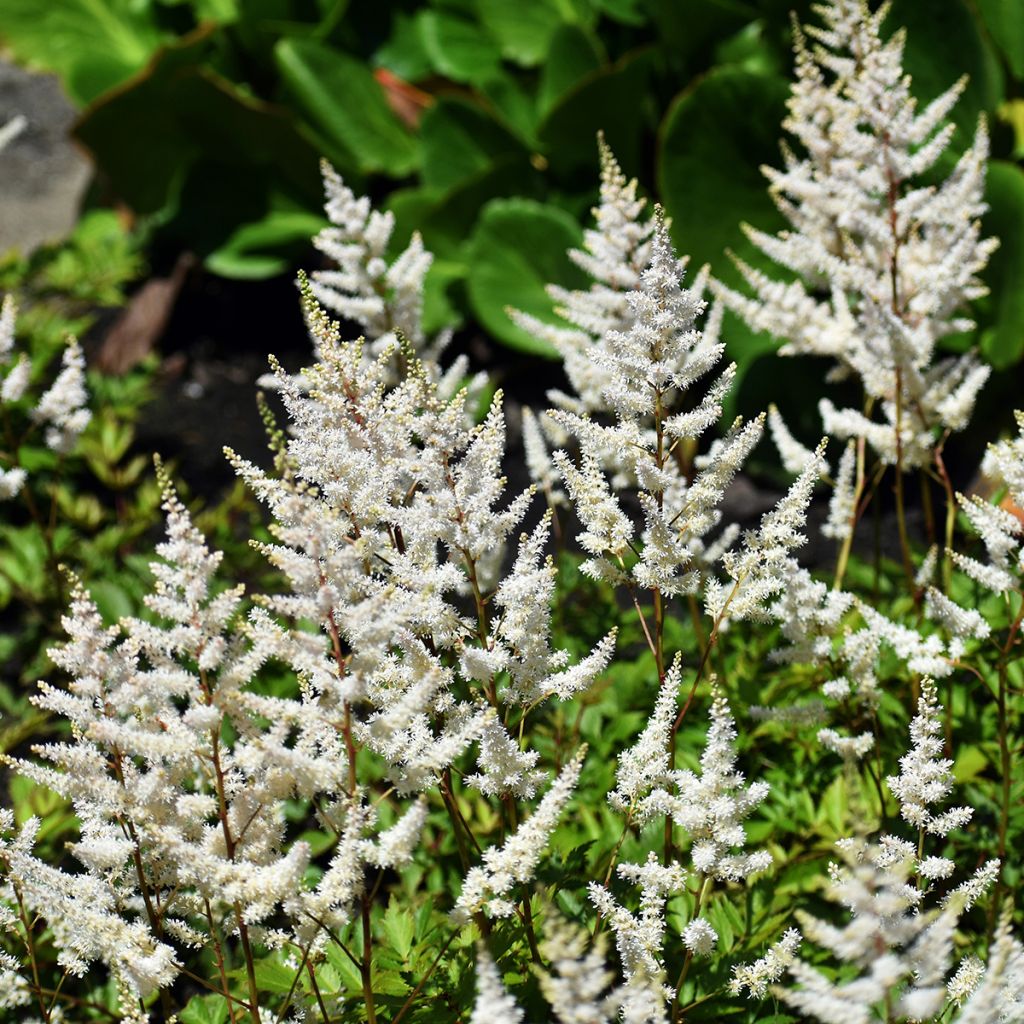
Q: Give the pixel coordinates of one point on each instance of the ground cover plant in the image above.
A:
(587, 750)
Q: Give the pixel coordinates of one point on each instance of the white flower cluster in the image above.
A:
(577, 986)
(711, 808)
(384, 298)
(61, 409)
(615, 254)
(902, 952)
(883, 263)
(925, 777)
(646, 372)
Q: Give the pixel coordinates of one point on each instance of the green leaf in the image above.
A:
(612, 99)
(273, 974)
(111, 600)
(459, 140)
(261, 249)
(205, 1010)
(573, 55)
(399, 928)
(969, 764)
(404, 53)
(523, 31)
(457, 48)
(345, 103)
(1003, 339)
(440, 308)
(92, 44)
(518, 248)
(205, 156)
(1004, 20)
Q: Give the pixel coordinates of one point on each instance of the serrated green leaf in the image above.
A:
(399, 927)
(205, 1010)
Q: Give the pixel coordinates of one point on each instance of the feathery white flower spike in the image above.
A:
(883, 264)
(62, 407)
(902, 953)
(493, 1004)
(756, 977)
(487, 886)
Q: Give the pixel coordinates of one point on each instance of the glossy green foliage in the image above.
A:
(208, 116)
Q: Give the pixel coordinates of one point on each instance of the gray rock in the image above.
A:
(42, 174)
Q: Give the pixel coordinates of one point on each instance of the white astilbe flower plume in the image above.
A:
(883, 263)
(1004, 462)
(758, 569)
(392, 526)
(842, 504)
(711, 806)
(645, 765)
(925, 778)
(62, 407)
(577, 985)
(903, 953)
(649, 371)
(384, 298)
(614, 254)
(487, 887)
(493, 1004)
(756, 977)
(632, 356)
(172, 814)
(998, 990)
(639, 937)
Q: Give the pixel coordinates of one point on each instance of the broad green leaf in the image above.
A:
(1004, 20)
(205, 1010)
(514, 107)
(405, 52)
(92, 44)
(261, 249)
(574, 53)
(523, 31)
(457, 48)
(518, 248)
(204, 156)
(1003, 338)
(459, 140)
(345, 103)
(452, 218)
(612, 99)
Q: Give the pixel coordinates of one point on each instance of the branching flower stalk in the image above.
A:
(884, 264)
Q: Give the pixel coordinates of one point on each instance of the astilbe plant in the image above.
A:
(348, 798)
(881, 262)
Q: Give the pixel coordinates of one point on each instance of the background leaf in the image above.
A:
(518, 247)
